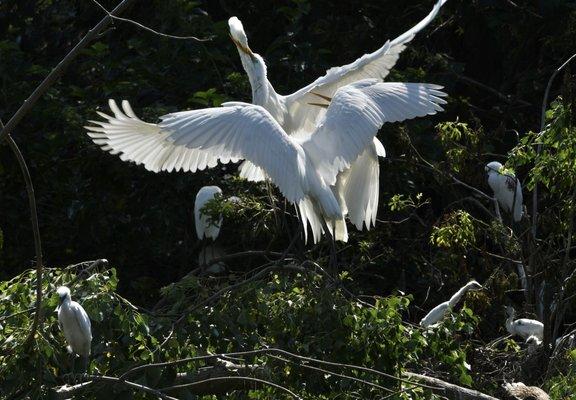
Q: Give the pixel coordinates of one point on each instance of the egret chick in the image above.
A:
(75, 325)
(440, 311)
(507, 189)
(204, 227)
(524, 327)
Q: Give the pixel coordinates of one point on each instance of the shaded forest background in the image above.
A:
(494, 58)
(92, 205)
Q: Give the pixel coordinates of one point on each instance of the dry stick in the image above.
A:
(233, 378)
(539, 147)
(271, 351)
(35, 230)
(66, 392)
(325, 371)
(59, 69)
(139, 25)
(450, 390)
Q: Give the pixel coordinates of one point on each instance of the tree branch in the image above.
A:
(139, 25)
(59, 69)
(35, 231)
(451, 391)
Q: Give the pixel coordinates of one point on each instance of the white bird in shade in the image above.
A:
(304, 168)
(299, 113)
(206, 228)
(524, 327)
(522, 392)
(507, 189)
(441, 310)
(75, 325)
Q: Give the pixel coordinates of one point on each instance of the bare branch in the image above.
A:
(59, 69)
(539, 147)
(232, 378)
(35, 231)
(450, 390)
(68, 392)
(139, 25)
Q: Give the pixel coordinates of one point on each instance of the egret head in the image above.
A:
(473, 285)
(239, 38)
(63, 293)
(493, 167)
(510, 312)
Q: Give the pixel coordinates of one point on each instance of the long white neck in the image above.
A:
(263, 93)
(458, 295)
(510, 323)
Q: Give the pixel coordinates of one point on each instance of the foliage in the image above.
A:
(456, 231)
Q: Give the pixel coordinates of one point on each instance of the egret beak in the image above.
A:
(245, 49)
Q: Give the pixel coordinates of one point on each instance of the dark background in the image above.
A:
(493, 57)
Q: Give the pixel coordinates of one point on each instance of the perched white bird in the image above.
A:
(299, 113)
(507, 189)
(205, 227)
(524, 327)
(75, 325)
(305, 168)
(440, 311)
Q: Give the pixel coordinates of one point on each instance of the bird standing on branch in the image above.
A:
(205, 227)
(507, 189)
(440, 311)
(75, 325)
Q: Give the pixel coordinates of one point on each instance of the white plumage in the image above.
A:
(204, 227)
(524, 327)
(507, 189)
(75, 324)
(299, 114)
(439, 312)
(522, 392)
(303, 168)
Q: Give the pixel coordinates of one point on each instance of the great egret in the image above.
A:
(524, 327)
(304, 168)
(205, 228)
(523, 392)
(75, 325)
(299, 113)
(507, 189)
(440, 311)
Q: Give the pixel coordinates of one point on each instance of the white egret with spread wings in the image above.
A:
(300, 112)
(304, 167)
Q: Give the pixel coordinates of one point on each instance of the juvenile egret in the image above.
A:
(299, 113)
(507, 189)
(523, 392)
(204, 227)
(524, 327)
(440, 311)
(304, 168)
(75, 325)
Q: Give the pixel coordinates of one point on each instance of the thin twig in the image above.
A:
(539, 147)
(59, 69)
(139, 25)
(232, 378)
(35, 231)
(66, 393)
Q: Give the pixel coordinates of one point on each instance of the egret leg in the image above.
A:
(73, 368)
(333, 263)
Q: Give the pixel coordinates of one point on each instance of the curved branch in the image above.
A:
(35, 231)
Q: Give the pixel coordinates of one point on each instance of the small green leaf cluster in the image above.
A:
(456, 231)
(458, 141)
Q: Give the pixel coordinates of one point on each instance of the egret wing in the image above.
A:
(357, 112)
(193, 139)
(374, 65)
(82, 320)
